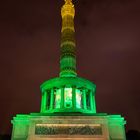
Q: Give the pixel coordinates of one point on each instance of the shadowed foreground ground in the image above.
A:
(130, 135)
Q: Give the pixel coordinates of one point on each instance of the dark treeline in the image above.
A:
(133, 135)
(130, 135)
(5, 137)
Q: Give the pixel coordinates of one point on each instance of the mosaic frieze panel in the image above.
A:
(68, 130)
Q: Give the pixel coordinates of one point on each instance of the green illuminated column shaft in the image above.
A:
(68, 57)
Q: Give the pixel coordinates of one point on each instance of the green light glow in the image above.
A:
(68, 94)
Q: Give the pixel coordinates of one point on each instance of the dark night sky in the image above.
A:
(108, 53)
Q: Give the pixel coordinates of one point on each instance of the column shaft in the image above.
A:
(52, 99)
(74, 97)
(91, 100)
(62, 97)
(43, 102)
(84, 99)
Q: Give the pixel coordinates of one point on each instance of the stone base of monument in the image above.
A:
(44, 127)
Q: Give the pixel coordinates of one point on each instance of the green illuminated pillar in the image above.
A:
(62, 97)
(47, 101)
(43, 103)
(91, 100)
(84, 99)
(52, 98)
(94, 100)
(74, 97)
